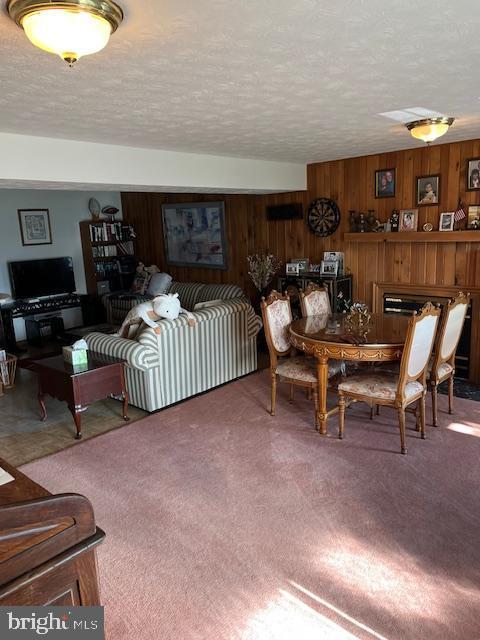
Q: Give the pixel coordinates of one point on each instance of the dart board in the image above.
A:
(323, 217)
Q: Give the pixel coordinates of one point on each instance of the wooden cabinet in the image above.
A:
(47, 546)
(339, 289)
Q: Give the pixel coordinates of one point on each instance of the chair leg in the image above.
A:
(417, 417)
(422, 417)
(434, 405)
(401, 422)
(341, 415)
(315, 404)
(450, 395)
(372, 408)
(274, 393)
(292, 391)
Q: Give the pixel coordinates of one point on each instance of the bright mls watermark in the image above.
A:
(25, 623)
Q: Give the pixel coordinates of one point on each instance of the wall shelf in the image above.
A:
(414, 236)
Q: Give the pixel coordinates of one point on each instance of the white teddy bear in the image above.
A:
(166, 305)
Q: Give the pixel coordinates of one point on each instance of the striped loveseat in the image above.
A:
(182, 360)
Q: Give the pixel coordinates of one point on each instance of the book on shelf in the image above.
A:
(113, 250)
(111, 232)
(125, 248)
(105, 270)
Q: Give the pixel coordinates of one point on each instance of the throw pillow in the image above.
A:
(204, 305)
(140, 283)
(159, 283)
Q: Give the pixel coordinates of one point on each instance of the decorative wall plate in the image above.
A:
(323, 217)
(94, 208)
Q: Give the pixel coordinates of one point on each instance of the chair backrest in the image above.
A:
(277, 317)
(450, 330)
(421, 333)
(314, 300)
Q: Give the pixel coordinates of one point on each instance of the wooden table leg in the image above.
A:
(125, 406)
(41, 401)
(77, 417)
(322, 375)
(124, 394)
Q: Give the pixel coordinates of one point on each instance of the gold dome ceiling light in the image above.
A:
(69, 28)
(429, 129)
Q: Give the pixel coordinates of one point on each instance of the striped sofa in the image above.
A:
(182, 360)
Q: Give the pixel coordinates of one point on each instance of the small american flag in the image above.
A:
(459, 213)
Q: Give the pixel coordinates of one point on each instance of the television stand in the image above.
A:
(32, 307)
(35, 328)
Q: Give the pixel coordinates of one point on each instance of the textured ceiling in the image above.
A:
(275, 79)
(83, 186)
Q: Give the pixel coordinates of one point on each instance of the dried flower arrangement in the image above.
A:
(262, 268)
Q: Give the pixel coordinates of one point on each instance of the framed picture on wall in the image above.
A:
(428, 190)
(385, 183)
(473, 175)
(194, 234)
(35, 226)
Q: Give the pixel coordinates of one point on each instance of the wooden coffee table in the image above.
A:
(80, 386)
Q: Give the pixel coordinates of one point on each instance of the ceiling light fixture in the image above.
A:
(429, 129)
(69, 28)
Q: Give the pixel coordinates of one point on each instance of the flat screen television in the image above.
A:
(40, 278)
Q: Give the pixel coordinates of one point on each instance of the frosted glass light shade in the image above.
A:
(69, 28)
(429, 129)
(69, 33)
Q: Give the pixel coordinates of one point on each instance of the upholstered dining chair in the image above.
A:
(314, 300)
(448, 336)
(397, 390)
(285, 365)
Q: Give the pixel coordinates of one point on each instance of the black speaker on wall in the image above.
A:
(290, 211)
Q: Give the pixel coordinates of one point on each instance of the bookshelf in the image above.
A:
(108, 255)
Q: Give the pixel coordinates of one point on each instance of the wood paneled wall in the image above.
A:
(351, 183)
(246, 227)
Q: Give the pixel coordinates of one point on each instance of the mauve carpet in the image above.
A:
(225, 523)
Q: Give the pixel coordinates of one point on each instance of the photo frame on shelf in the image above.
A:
(473, 219)
(292, 268)
(329, 268)
(428, 190)
(447, 221)
(385, 183)
(303, 264)
(35, 226)
(408, 220)
(335, 256)
(194, 234)
(473, 174)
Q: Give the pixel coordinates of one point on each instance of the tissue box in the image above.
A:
(75, 356)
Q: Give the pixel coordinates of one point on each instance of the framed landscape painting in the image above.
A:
(194, 234)
(35, 226)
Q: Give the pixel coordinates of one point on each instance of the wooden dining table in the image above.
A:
(333, 336)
